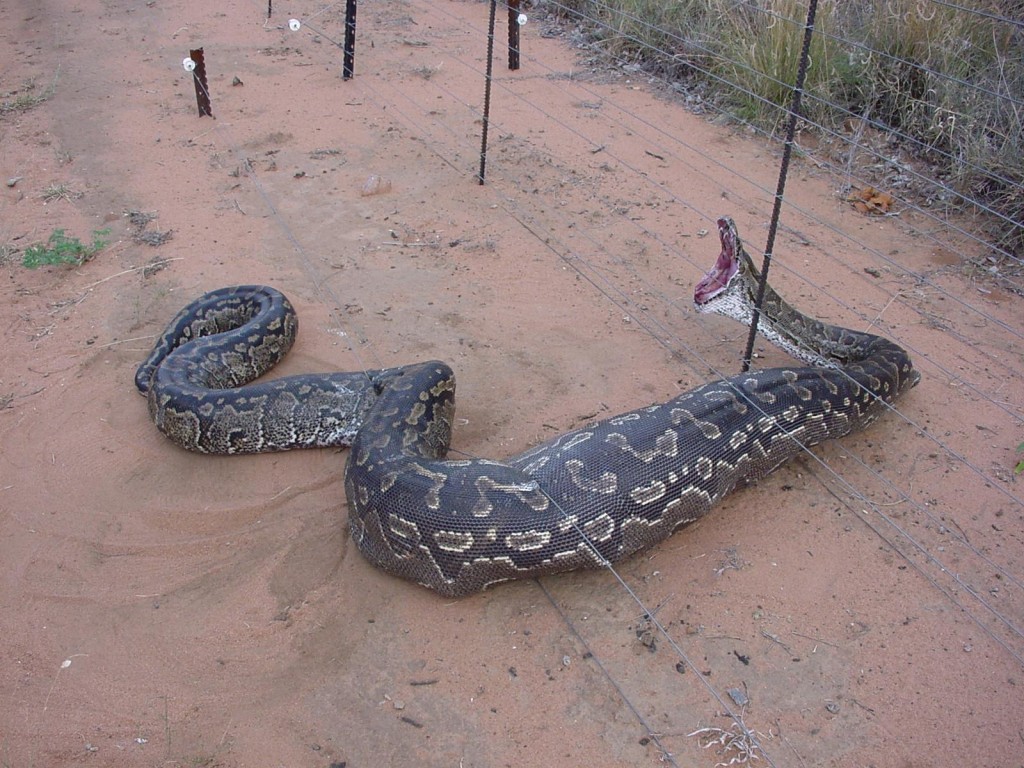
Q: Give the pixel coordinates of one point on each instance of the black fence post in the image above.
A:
(487, 93)
(348, 67)
(787, 153)
(513, 34)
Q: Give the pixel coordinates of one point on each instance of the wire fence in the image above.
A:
(936, 170)
(941, 84)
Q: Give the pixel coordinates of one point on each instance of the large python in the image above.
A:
(587, 498)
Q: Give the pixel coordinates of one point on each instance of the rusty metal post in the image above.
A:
(513, 34)
(487, 94)
(199, 80)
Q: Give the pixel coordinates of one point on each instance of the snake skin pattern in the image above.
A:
(222, 341)
(587, 498)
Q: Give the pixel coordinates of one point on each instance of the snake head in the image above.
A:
(726, 268)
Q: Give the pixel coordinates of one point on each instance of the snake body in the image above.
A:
(197, 379)
(587, 498)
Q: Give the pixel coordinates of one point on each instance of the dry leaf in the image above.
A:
(869, 200)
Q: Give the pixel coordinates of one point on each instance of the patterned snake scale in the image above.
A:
(587, 498)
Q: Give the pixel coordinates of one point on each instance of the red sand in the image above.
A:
(161, 608)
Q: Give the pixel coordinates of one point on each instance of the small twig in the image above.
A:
(167, 727)
(201, 135)
(854, 146)
(962, 532)
(890, 503)
(777, 641)
(224, 736)
(63, 665)
(127, 272)
(782, 736)
(897, 295)
(865, 707)
(815, 639)
(125, 341)
(27, 394)
(280, 493)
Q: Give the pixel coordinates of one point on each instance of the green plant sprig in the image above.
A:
(61, 249)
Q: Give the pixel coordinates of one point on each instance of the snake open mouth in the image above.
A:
(725, 269)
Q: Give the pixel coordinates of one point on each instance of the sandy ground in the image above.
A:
(159, 608)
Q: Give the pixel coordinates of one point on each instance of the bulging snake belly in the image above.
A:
(582, 500)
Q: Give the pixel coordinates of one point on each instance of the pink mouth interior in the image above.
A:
(715, 281)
